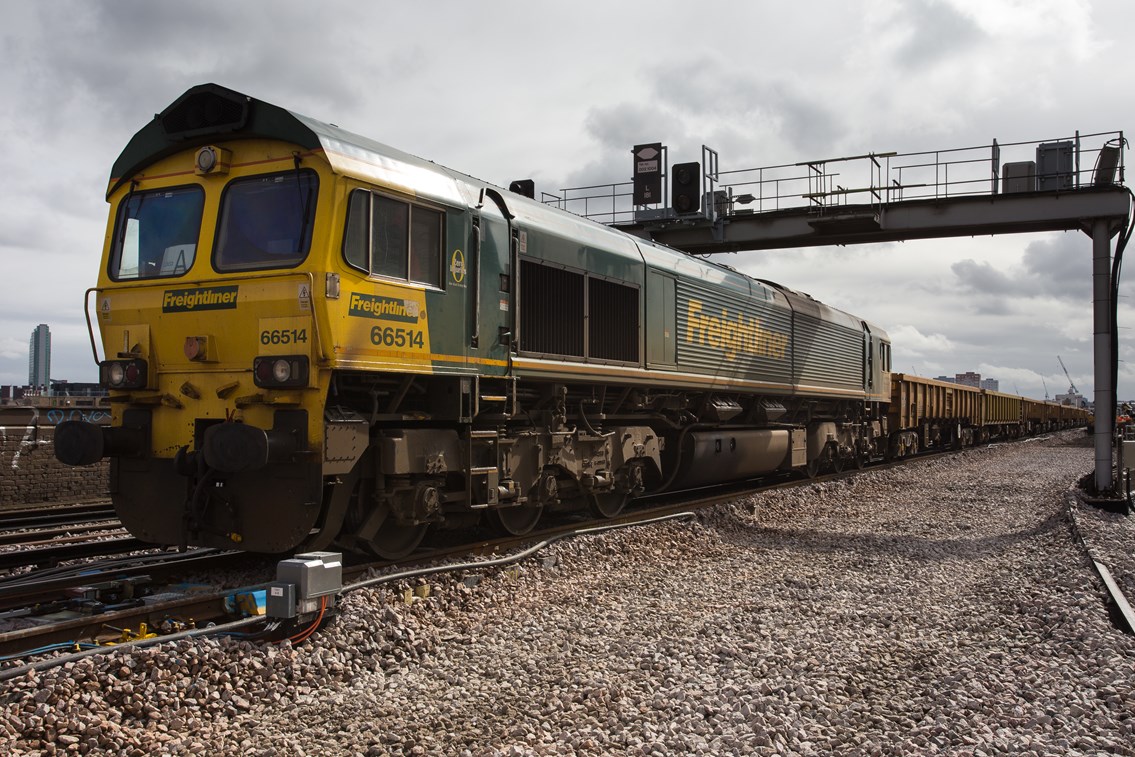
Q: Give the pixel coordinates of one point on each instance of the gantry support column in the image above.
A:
(1105, 392)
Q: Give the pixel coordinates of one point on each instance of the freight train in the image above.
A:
(312, 339)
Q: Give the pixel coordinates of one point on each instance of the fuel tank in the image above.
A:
(711, 457)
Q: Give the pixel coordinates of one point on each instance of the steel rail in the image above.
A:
(35, 518)
(55, 555)
(59, 535)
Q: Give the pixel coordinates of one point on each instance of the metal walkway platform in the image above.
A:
(1072, 183)
(1051, 185)
(973, 215)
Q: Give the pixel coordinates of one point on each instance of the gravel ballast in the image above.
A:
(943, 607)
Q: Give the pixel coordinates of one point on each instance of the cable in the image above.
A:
(1116, 269)
(315, 624)
(10, 673)
(78, 645)
(16, 672)
(510, 558)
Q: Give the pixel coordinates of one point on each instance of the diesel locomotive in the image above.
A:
(313, 339)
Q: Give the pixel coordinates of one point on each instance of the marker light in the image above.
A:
(123, 374)
(212, 160)
(206, 159)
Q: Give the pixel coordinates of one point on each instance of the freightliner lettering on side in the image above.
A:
(733, 334)
(383, 308)
(408, 341)
(205, 298)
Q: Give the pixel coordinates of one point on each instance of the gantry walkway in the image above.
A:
(1070, 183)
(1045, 185)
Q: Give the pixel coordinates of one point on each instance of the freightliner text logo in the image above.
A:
(733, 335)
(208, 298)
(383, 308)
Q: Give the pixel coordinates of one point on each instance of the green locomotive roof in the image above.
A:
(200, 116)
(208, 113)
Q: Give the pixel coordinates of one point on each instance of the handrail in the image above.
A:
(90, 326)
(887, 176)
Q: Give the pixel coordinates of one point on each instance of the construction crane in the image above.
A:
(1045, 388)
(1071, 384)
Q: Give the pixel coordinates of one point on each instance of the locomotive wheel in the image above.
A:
(836, 459)
(812, 469)
(859, 459)
(606, 504)
(377, 530)
(394, 541)
(514, 521)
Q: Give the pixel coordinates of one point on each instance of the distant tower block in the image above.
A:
(39, 357)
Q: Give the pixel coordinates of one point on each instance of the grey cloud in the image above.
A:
(1061, 266)
(983, 278)
(1057, 267)
(625, 124)
(763, 107)
(161, 49)
(939, 32)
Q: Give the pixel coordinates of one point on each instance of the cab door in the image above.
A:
(491, 280)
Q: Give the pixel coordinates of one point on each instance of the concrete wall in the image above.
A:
(29, 472)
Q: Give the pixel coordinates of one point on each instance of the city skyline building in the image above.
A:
(39, 358)
(969, 378)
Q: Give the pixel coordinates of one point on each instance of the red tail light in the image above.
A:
(124, 374)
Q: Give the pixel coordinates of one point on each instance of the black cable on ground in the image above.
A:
(509, 558)
(11, 673)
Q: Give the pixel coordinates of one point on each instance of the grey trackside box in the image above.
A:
(1019, 177)
(1055, 165)
(315, 574)
(281, 600)
(303, 582)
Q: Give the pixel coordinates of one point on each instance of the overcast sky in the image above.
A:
(560, 92)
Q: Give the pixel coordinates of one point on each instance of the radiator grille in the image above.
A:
(551, 310)
(203, 112)
(613, 321)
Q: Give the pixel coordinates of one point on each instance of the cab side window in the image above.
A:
(395, 239)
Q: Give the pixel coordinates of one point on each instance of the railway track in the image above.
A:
(54, 554)
(54, 526)
(66, 515)
(129, 580)
(146, 605)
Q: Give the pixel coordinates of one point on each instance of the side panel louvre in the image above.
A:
(613, 321)
(551, 310)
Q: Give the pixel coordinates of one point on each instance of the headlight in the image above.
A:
(280, 371)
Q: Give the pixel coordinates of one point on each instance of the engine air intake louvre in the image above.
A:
(205, 111)
(551, 310)
(612, 321)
